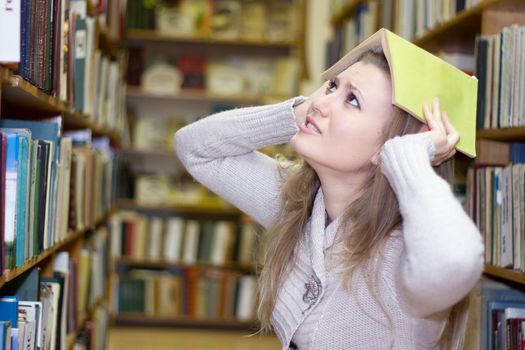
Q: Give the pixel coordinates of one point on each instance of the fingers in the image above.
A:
(452, 133)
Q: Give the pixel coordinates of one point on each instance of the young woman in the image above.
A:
(367, 248)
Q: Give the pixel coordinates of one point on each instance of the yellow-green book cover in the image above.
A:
(418, 77)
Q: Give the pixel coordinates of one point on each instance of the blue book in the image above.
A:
(517, 152)
(11, 178)
(9, 310)
(5, 334)
(22, 193)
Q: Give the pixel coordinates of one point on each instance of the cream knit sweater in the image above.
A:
(426, 268)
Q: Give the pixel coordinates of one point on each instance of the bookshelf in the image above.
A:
(64, 240)
(152, 154)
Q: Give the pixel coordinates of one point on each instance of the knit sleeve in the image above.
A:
(220, 152)
(443, 248)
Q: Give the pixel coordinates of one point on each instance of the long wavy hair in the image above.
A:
(373, 217)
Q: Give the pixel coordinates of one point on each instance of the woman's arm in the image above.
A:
(219, 151)
(443, 248)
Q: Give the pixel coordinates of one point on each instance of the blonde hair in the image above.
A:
(374, 216)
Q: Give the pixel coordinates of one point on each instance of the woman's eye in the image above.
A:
(332, 86)
(353, 100)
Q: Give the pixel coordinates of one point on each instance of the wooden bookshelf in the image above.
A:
(131, 204)
(34, 261)
(161, 264)
(503, 134)
(134, 319)
(505, 274)
(198, 96)
(20, 95)
(142, 36)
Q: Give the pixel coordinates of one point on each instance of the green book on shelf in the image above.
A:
(418, 77)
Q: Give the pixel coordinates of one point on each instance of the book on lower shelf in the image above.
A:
(44, 309)
(495, 317)
(189, 292)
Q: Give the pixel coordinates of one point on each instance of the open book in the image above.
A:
(418, 77)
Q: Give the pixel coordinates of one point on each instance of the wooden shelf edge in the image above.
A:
(146, 320)
(182, 209)
(345, 12)
(506, 274)
(167, 264)
(504, 134)
(9, 275)
(459, 18)
(135, 92)
(145, 35)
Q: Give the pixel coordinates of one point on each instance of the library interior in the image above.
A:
(107, 240)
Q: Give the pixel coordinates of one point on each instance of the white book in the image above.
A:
(516, 197)
(10, 23)
(155, 238)
(246, 300)
(506, 218)
(496, 80)
(221, 242)
(173, 239)
(33, 313)
(115, 224)
(191, 242)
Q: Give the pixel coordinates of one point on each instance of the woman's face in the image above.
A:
(344, 123)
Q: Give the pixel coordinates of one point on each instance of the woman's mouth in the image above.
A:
(310, 124)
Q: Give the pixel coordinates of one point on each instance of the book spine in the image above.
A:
(10, 23)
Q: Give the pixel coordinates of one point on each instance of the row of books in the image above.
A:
(179, 240)
(163, 189)
(501, 72)
(496, 317)
(189, 292)
(48, 185)
(232, 19)
(56, 46)
(362, 24)
(40, 311)
(229, 76)
(416, 17)
(409, 18)
(496, 203)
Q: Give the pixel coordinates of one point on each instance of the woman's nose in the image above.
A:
(322, 105)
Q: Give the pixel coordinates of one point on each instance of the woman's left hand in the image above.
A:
(443, 134)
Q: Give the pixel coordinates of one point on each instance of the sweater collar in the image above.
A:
(320, 237)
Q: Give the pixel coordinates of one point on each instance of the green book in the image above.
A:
(418, 77)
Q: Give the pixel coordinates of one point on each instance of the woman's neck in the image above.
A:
(338, 194)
